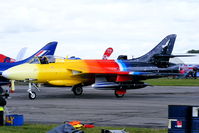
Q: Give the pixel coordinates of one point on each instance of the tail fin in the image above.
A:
(20, 55)
(161, 54)
(48, 49)
(4, 59)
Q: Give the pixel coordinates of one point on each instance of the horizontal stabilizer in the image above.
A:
(172, 56)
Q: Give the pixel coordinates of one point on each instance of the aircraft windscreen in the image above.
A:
(45, 59)
(35, 60)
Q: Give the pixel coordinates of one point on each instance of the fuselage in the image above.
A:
(72, 72)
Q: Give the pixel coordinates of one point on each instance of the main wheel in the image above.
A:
(77, 90)
(120, 93)
(32, 95)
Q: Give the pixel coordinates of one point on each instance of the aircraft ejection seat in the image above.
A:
(43, 60)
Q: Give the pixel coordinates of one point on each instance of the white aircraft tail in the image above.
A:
(20, 55)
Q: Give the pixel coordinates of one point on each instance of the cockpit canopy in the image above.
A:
(45, 59)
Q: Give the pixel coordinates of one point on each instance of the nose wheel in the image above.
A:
(32, 95)
(77, 90)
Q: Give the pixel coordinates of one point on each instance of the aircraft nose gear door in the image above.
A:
(77, 90)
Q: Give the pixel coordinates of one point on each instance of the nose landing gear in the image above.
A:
(32, 95)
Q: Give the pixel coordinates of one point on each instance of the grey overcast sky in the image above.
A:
(85, 28)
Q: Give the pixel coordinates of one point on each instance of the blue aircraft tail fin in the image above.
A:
(48, 49)
(161, 54)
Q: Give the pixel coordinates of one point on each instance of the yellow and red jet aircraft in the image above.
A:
(118, 75)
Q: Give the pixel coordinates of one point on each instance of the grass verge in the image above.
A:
(173, 82)
(43, 128)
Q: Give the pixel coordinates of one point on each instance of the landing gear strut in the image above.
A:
(77, 90)
(120, 93)
(32, 95)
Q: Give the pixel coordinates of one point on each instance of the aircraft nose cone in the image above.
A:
(20, 72)
(9, 74)
(5, 74)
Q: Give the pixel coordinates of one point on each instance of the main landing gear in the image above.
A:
(32, 95)
(120, 93)
(77, 90)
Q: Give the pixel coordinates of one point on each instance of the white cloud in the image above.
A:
(86, 28)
